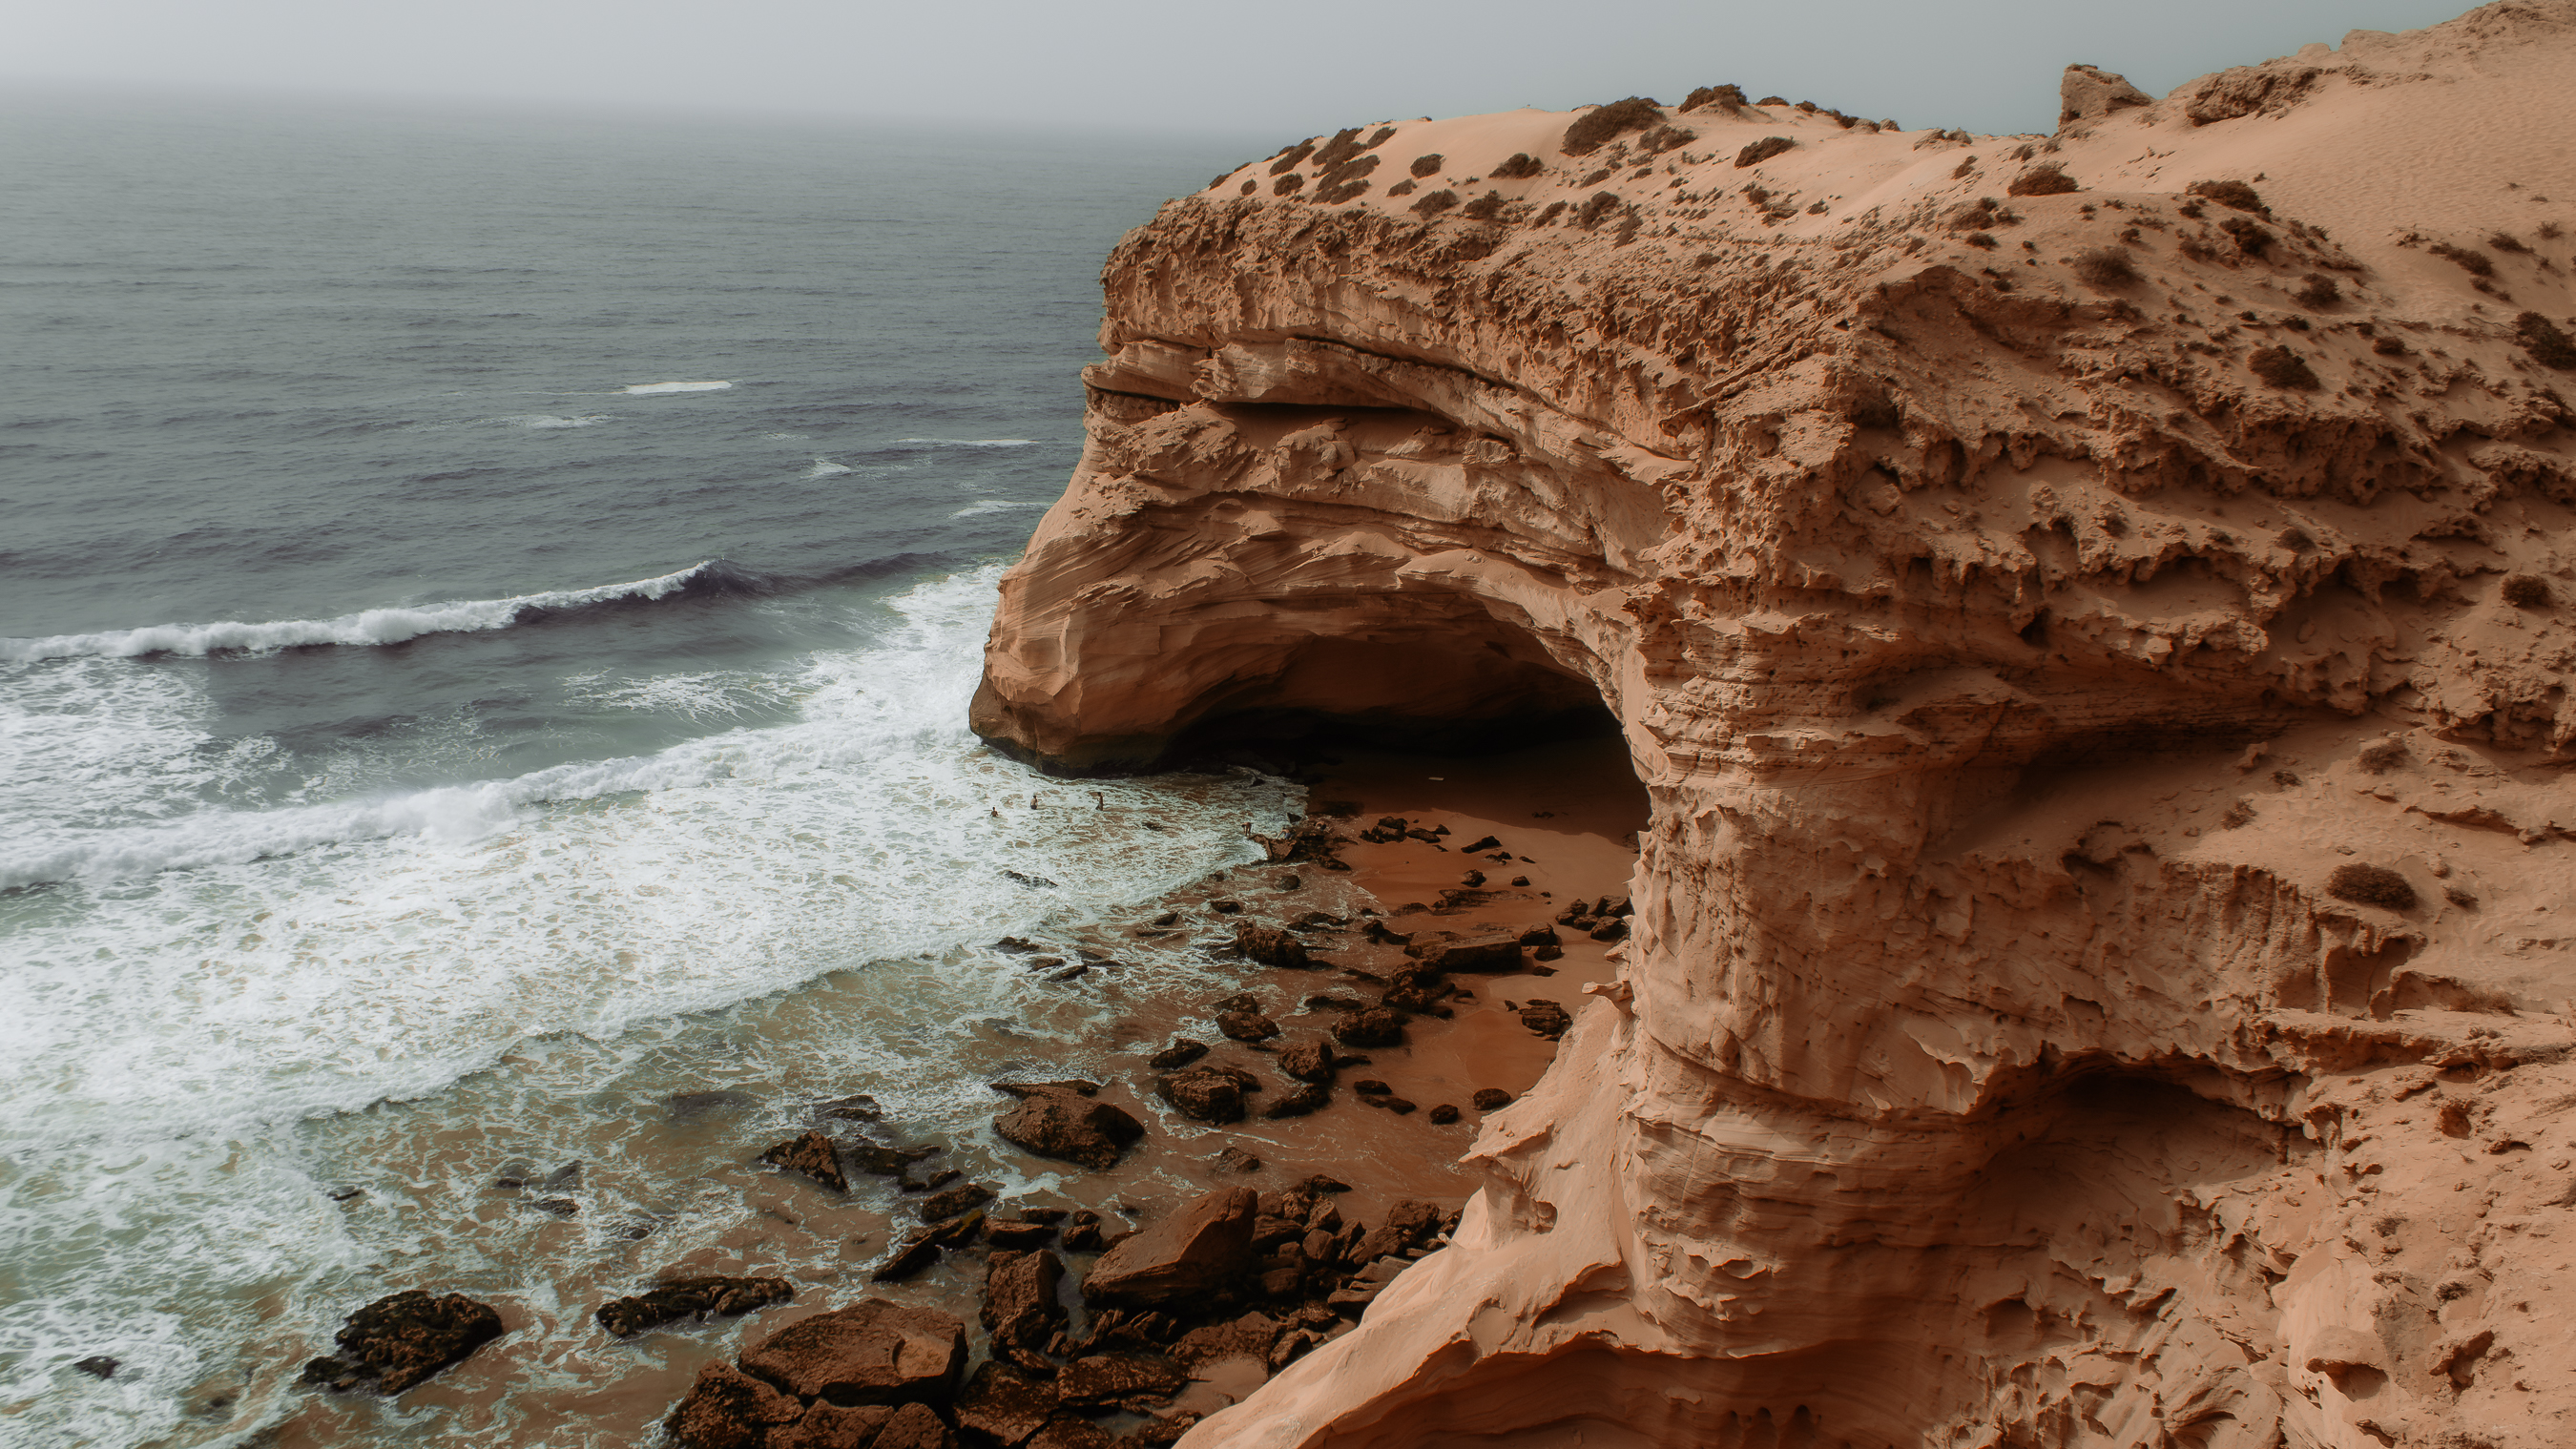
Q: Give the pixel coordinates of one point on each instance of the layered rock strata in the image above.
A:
(2091, 613)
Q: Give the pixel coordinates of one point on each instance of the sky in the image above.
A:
(1289, 70)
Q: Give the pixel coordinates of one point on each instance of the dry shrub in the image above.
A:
(1290, 159)
(2549, 346)
(1965, 169)
(1666, 138)
(1548, 217)
(1250, 187)
(1596, 127)
(1485, 207)
(1289, 184)
(1596, 178)
(2371, 885)
(2550, 231)
(2318, 290)
(2381, 756)
(1711, 96)
(2195, 249)
(2233, 194)
(1436, 202)
(2281, 367)
(2465, 899)
(1763, 150)
(2045, 179)
(1426, 165)
(2526, 591)
(2478, 263)
(1775, 100)
(2388, 346)
(1588, 215)
(1401, 188)
(2250, 239)
(1346, 145)
(1346, 180)
(1518, 165)
(2238, 816)
(2106, 267)
(1984, 241)
(2505, 241)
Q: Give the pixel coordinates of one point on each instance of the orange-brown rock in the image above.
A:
(2019, 607)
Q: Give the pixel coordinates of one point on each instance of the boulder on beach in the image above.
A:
(940, 1206)
(1020, 1302)
(1374, 1027)
(690, 1298)
(1488, 1099)
(1179, 1054)
(1205, 1094)
(1061, 1120)
(872, 1352)
(1197, 1250)
(1270, 946)
(1307, 1061)
(1120, 1380)
(831, 1426)
(1486, 951)
(399, 1340)
(1298, 1101)
(1004, 1405)
(812, 1154)
(729, 1409)
(1246, 1025)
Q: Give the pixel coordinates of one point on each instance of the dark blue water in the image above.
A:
(422, 717)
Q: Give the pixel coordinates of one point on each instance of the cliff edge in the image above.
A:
(2092, 613)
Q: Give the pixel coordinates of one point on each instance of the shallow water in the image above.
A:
(485, 627)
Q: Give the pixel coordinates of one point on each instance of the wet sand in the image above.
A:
(1565, 814)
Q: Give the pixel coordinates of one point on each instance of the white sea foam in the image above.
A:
(970, 442)
(548, 422)
(826, 468)
(993, 505)
(648, 389)
(368, 626)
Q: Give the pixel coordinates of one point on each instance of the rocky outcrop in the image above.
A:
(2018, 615)
(1063, 1120)
(1203, 1247)
(399, 1340)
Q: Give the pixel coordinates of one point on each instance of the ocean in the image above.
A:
(487, 609)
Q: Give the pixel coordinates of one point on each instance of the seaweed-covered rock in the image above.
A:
(690, 1298)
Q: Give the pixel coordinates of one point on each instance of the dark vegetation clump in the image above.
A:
(1518, 165)
(2465, 899)
(1983, 240)
(1345, 180)
(1965, 169)
(2477, 263)
(1595, 128)
(2549, 346)
(1713, 96)
(1436, 202)
(1426, 165)
(1589, 215)
(2238, 816)
(1250, 187)
(1763, 150)
(2045, 179)
(2381, 756)
(2281, 367)
(2250, 239)
(1346, 145)
(1774, 101)
(1666, 138)
(2318, 290)
(2526, 591)
(2233, 194)
(2505, 241)
(2387, 346)
(1290, 159)
(1548, 217)
(1288, 184)
(1485, 207)
(2106, 267)
(1401, 188)
(2371, 885)
(1978, 215)
(2550, 231)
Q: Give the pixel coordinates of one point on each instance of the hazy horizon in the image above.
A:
(1151, 65)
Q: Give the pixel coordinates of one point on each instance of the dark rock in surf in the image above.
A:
(693, 1298)
(1020, 1301)
(872, 1352)
(1060, 1120)
(397, 1341)
(1179, 1054)
(941, 1206)
(813, 1155)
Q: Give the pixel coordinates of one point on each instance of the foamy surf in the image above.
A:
(969, 442)
(826, 468)
(368, 626)
(983, 506)
(650, 389)
(549, 422)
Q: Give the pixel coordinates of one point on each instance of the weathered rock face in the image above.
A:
(2021, 617)
(1203, 1247)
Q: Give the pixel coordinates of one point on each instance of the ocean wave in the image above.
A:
(970, 442)
(993, 505)
(368, 626)
(547, 422)
(649, 389)
(826, 468)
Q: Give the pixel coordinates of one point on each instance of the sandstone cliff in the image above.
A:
(2097, 650)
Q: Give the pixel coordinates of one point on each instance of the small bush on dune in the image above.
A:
(2235, 194)
(1426, 165)
(1250, 187)
(2549, 346)
(1666, 138)
(1713, 96)
(1548, 216)
(2250, 239)
(2477, 263)
(2371, 885)
(1598, 126)
(2381, 756)
(2281, 367)
(1290, 159)
(1763, 150)
(2549, 231)
(1589, 215)
(2388, 346)
(1435, 202)
(2318, 290)
(2526, 591)
(1485, 207)
(2505, 241)
(1518, 165)
(2045, 179)
(1401, 188)
(1289, 184)
(2106, 267)
(1983, 240)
